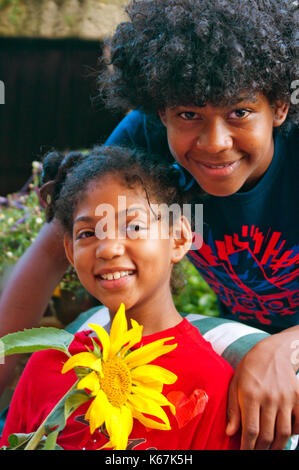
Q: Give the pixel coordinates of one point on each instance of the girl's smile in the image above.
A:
(115, 278)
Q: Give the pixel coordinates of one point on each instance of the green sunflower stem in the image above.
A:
(40, 432)
(36, 438)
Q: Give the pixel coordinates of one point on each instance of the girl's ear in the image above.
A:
(182, 239)
(281, 110)
(68, 247)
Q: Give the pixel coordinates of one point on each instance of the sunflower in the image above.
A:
(122, 383)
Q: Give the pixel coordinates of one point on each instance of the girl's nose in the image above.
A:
(110, 248)
(215, 137)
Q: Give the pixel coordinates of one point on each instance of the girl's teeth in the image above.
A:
(116, 275)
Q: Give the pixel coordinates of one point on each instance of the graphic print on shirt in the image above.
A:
(255, 274)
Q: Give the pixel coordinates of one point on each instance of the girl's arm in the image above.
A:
(30, 287)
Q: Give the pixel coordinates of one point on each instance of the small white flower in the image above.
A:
(9, 254)
(39, 220)
(36, 165)
(10, 221)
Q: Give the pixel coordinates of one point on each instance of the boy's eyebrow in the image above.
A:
(239, 99)
(84, 218)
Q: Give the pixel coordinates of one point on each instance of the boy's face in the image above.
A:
(225, 148)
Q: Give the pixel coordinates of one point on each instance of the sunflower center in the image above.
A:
(116, 381)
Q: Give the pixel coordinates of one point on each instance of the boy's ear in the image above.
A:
(281, 110)
(68, 247)
(182, 239)
(162, 116)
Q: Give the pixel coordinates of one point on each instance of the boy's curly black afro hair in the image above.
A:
(183, 52)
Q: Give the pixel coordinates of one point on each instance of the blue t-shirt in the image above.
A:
(250, 250)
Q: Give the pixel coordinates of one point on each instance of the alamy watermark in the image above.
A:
(2, 92)
(135, 222)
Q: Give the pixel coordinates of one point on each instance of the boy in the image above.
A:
(219, 75)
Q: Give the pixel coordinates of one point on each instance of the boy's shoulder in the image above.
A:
(143, 131)
(290, 138)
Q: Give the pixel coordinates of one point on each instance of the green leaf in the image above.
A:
(18, 440)
(67, 405)
(35, 339)
(74, 400)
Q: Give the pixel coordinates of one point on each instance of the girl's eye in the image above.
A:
(135, 227)
(85, 234)
(189, 115)
(239, 114)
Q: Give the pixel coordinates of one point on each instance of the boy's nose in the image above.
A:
(110, 248)
(214, 138)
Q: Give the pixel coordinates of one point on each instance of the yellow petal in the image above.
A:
(90, 381)
(103, 337)
(119, 324)
(148, 352)
(120, 336)
(98, 411)
(125, 424)
(83, 359)
(151, 394)
(148, 406)
(154, 384)
(113, 426)
(132, 337)
(149, 372)
(150, 423)
(97, 366)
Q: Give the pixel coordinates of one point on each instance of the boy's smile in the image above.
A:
(225, 148)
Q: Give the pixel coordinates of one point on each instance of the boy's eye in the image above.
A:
(189, 115)
(239, 114)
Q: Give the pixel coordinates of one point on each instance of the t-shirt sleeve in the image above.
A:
(35, 396)
(129, 132)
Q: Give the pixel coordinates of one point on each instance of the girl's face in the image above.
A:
(115, 249)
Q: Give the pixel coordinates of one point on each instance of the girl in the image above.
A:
(111, 204)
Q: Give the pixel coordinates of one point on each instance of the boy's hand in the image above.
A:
(264, 393)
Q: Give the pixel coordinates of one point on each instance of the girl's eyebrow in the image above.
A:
(129, 211)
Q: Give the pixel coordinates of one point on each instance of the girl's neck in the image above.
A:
(153, 316)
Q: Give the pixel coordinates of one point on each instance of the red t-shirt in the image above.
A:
(194, 362)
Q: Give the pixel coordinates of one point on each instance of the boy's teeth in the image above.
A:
(219, 166)
(115, 275)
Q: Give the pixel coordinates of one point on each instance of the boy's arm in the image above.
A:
(264, 393)
(30, 287)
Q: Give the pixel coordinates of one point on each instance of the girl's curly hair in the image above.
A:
(183, 52)
(67, 178)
